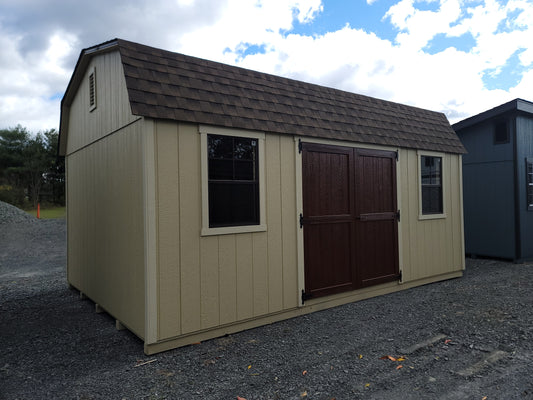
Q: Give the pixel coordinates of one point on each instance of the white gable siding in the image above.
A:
(112, 105)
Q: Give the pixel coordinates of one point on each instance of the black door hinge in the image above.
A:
(400, 276)
(301, 220)
(299, 145)
(398, 215)
(306, 296)
(397, 155)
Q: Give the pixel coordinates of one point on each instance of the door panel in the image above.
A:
(327, 181)
(349, 218)
(376, 217)
(328, 215)
(328, 266)
(376, 255)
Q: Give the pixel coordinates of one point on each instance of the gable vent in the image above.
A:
(92, 90)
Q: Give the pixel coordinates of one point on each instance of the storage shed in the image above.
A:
(204, 199)
(498, 178)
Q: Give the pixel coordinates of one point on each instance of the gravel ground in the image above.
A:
(467, 338)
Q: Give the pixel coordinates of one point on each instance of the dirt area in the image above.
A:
(467, 338)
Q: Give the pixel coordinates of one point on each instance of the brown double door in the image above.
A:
(349, 218)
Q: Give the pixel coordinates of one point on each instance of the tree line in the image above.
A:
(31, 172)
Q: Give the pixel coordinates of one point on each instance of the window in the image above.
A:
(431, 184)
(501, 132)
(92, 90)
(233, 180)
(529, 183)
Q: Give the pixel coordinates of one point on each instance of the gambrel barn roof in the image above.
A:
(166, 85)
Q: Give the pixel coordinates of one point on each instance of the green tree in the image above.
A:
(29, 166)
(55, 173)
(35, 166)
(12, 184)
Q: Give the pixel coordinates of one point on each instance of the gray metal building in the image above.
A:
(498, 181)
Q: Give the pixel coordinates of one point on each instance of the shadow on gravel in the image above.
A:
(465, 338)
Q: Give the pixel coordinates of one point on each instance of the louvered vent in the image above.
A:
(92, 90)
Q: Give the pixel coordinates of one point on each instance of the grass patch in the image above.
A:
(49, 213)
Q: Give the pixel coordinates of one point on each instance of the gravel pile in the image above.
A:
(465, 338)
(30, 247)
(12, 215)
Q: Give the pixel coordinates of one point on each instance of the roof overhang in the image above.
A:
(516, 105)
(77, 76)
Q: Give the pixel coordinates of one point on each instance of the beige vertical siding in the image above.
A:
(245, 305)
(289, 249)
(430, 247)
(112, 110)
(167, 191)
(210, 259)
(209, 281)
(189, 202)
(274, 233)
(210, 285)
(105, 225)
(218, 282)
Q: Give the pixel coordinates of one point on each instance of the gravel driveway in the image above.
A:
(467, 338)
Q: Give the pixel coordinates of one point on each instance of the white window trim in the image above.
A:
(260, 136)
(442, 215)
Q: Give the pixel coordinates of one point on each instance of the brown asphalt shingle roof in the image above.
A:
(167, 85)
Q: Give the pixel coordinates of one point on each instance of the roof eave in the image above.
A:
(513, 105)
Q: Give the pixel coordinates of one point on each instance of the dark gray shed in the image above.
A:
(498, 181)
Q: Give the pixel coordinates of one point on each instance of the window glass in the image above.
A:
(244, 148)
(431, 180)
(501, 132)
(219, 147)
(220, 169)
(233, 181)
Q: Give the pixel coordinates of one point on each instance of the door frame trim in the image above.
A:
(299, 230)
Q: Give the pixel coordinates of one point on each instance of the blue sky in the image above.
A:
(356, 13)
(459, 57)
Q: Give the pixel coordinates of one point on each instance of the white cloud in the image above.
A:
(417, 27)
(524, 88)
(185, 3)
(40, 43)
(358, 61)
(260, 22)
(306, 10)
(28, 82)
(60, 46)
(449, 81)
